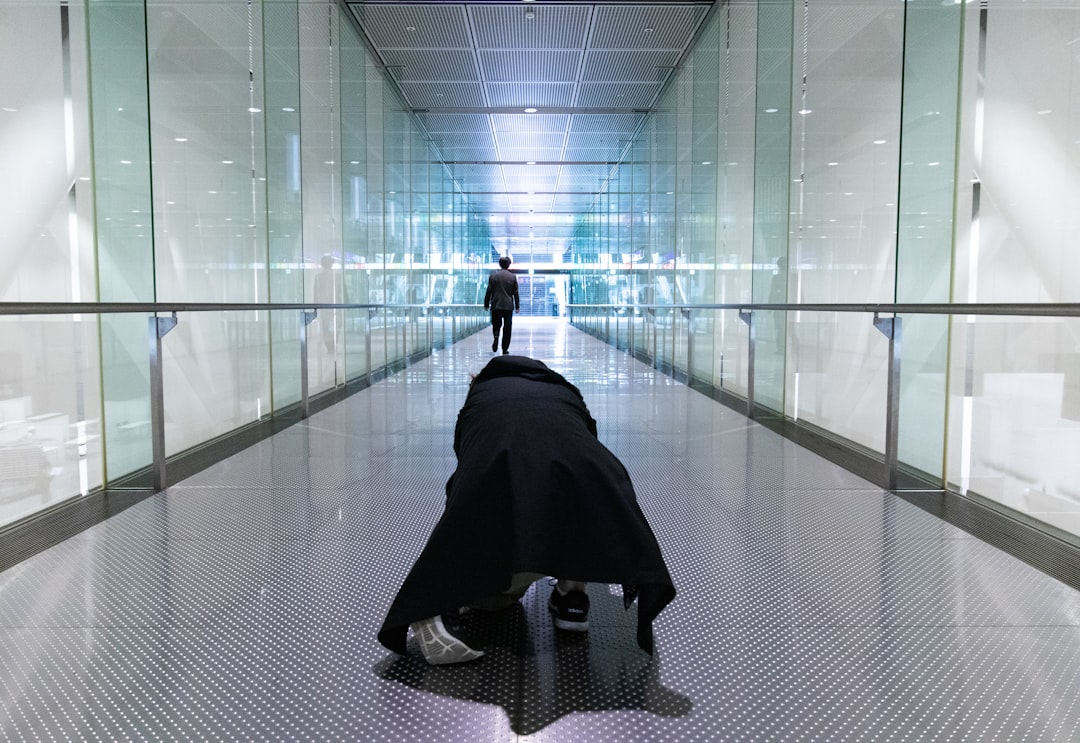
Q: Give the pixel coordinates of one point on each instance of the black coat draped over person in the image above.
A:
(534, 492)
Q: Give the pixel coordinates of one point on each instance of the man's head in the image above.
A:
(504, 262)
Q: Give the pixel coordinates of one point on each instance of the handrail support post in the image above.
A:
(747, 316)
(306, 318)
(891, 328)
(158, 327)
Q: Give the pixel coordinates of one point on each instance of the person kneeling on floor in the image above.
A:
(534, 493)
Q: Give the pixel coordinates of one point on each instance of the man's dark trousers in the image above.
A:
(502, 319)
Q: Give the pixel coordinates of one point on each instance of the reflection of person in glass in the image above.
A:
(502, 297)
(325, 292)
(778, 295)
(535, 493)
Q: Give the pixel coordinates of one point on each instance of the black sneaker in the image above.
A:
(570, 610)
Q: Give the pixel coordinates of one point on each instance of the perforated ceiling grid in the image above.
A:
(244, 601)
(600, 63)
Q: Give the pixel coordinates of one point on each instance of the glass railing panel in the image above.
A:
(326, 349)
(357, 345)
(836, 374)
(702, 338)
(730, 357)
(125, 389)
(216, 375)
(285, 354)
(1014, 414)
(50, 411)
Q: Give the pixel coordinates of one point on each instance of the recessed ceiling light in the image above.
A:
(879, 141)
(181, 139)
(226, 162)
(771, 110)
(288, 109)
(530, 110)
(805, 111)
(410, 28)
(254, 110)
(531, 162)
(648, 29)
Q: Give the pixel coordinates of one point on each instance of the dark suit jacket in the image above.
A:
(534, 491)
(502, 291)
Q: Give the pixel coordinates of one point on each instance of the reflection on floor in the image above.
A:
(243, 602)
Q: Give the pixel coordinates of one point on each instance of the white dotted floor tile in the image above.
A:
(243, 602)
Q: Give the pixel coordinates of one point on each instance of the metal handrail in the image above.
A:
(106, 308)
(891, 327)
(159, 326)
(1056, 309)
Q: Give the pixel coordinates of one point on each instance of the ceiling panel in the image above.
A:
(539, 140)
(456, 154)
(522, 154)
(532, 94)
(624, 124)
(538, 123)
(431, 65)
(645, 26)
(467, 70)
(628, 66)
(441, 95)
(618, 95)
(512, 66)
(508, 26)
(453, 123)
(419, 26)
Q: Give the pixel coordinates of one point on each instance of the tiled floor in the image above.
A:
(243, 602)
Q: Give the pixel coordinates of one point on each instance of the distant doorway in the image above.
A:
(543, 295)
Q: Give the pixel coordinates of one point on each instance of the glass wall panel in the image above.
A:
(50, 411)
(845, 145)
(698, 267)
(321, 179)
(354, 202)
(1013, 418)
(123, 223)
(925, 226)
(663, 238)
(284, 217)
(736, 115)
(772, 177)
(208, 136)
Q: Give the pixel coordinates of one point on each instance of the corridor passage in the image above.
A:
(243, 603)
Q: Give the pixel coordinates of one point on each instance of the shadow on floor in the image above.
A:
(538, 674)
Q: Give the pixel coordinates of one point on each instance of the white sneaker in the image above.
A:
(439, 646)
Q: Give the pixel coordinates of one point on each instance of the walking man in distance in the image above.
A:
(503, 300)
